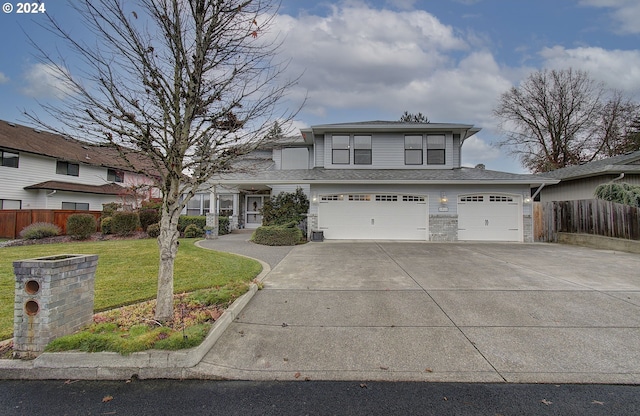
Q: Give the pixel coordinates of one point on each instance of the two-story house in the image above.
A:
(42, 170)
(385, 180)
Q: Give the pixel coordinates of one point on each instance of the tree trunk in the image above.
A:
(168, 242)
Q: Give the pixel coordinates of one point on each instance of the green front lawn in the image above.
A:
(128, 271)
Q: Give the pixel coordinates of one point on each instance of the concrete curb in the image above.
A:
(113, 366)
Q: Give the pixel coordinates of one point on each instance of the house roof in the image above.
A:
(20, 138)
(465, 130)
(106, 189)
(627, 163)
(466, 176)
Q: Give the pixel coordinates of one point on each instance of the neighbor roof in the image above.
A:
(20, 138)
(627, 163)
(106, 189)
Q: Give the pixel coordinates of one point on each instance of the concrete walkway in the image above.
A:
(467, 312)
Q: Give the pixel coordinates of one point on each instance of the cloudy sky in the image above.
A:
(373, 59)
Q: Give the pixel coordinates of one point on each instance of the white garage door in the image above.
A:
(489, 217)
(373, 216)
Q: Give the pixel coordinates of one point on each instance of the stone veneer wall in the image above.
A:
(527, 231)
(443, 227)
(53, 297)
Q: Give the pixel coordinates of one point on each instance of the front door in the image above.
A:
(253, 215)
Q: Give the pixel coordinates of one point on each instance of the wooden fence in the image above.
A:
(13, 221)
(586, 216)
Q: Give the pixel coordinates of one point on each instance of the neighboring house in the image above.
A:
(42, 170)
(581, 181)
(384, 180)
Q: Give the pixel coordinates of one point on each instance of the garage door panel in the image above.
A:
(374, 217)
(488, 217)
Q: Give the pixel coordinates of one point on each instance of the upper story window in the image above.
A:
(9, 159)
(340, 150)
(413, 150)
(114, 175)
(362, 150)
(436, 150)
(67, 168)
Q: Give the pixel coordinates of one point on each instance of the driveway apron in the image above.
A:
(468, 312)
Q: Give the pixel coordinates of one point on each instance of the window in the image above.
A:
(67, 168)
(412, 198)
(332, 197)
(10, 204)
(362, 150)
(358, 197)
(499, 198)
(225, 205)
(115, 175)
(413, 150)
(435, 150)
(473, 198)
(9, 159)
(387, 198)
(76, 206)
(340, 150)
(199, 204)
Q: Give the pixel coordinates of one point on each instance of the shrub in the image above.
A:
(277, 235)
(285, 207)
(124, 222)
(153, 230)
(105, 225)
(620, 192)
(81, 226)
(39, 230)
(109, 209)
(223, 225)
(185, 220)
(153, 203)
(193, 231)
(148, 217)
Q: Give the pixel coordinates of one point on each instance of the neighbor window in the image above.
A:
(340, 150)
(115, 175)
(9, 159)
(10, 204)
(362, 150)
(76, 206)
(413, 150)
(435, 150)
(67, 168)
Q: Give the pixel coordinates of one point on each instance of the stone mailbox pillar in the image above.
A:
(53, 297)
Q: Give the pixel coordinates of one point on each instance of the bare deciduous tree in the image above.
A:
(188, 85)
(558, 118)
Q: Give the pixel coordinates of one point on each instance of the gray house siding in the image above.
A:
(387, 150)
(569, 190)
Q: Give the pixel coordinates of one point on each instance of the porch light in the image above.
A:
(314, 197)
(443, 198)
(527, 199)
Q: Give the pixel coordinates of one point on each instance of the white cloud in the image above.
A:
(3, 78)
(616, 68)
(625, 12)
(45, 81)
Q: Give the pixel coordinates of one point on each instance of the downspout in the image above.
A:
(618, 178)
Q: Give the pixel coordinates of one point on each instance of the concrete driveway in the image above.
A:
(468, 312)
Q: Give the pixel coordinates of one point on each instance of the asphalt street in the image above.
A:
(191, 397)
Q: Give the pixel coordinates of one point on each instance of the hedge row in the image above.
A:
(277, 235)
